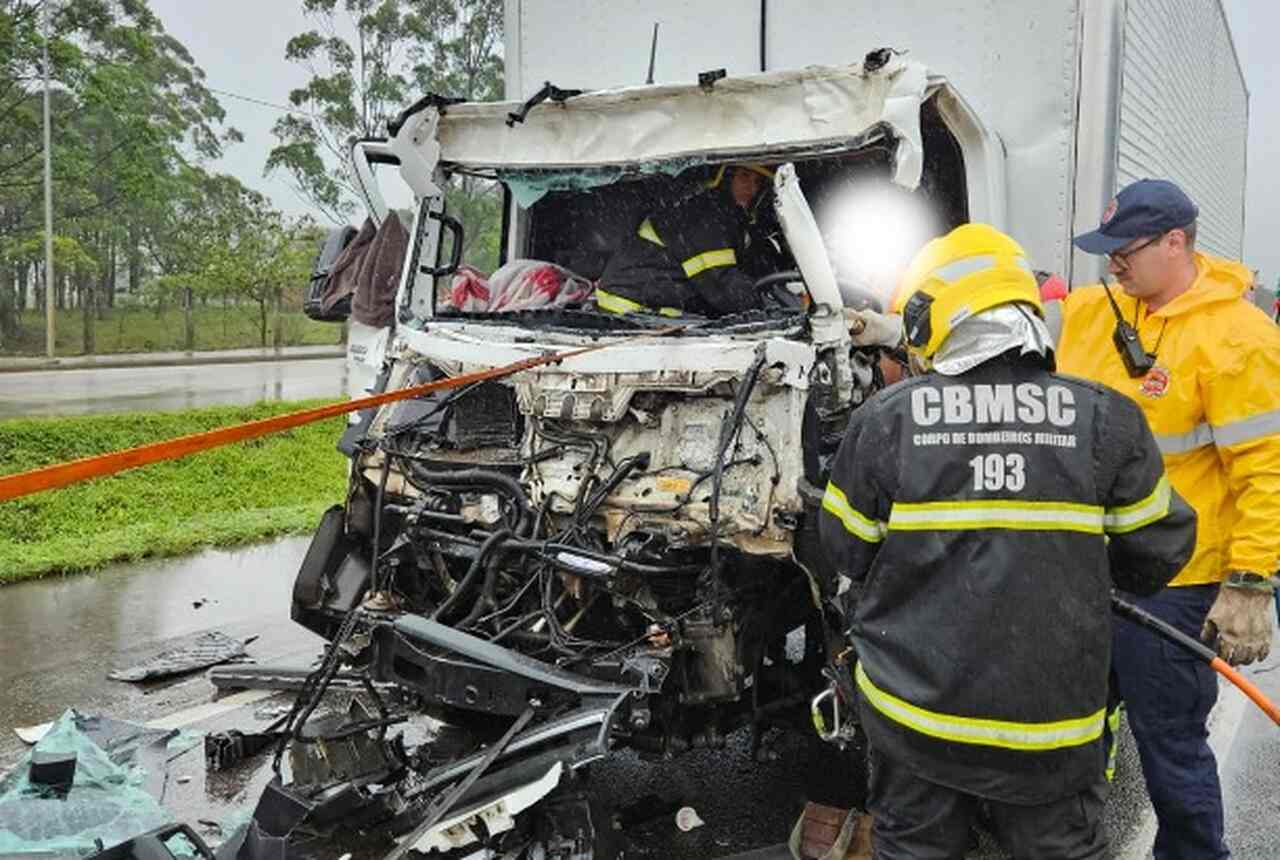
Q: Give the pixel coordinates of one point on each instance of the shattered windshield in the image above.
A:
(684, 240)
(693, 240)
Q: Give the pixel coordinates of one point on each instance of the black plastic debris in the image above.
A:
(708, 79)
(224, 750)
(54, 771)
(209, 649)
(163, 843)
(266, 836)
(878, 59)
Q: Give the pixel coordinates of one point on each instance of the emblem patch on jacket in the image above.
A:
(1156, 382)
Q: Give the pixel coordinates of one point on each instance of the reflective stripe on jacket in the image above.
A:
(682, 258)
(984, 519)
(1212, 400)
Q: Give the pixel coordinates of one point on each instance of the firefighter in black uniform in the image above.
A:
(688, 258)
(983, 511)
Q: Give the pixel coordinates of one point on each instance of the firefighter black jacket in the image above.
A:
(984, 519)
(687, 258)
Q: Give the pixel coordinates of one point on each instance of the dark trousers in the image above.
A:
(1168, 694)
(914, 819)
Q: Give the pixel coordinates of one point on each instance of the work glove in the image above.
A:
(868, 328)
(1238, 625)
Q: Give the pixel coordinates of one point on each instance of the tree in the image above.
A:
(265, 257)
(194, 216)
(357, 81)
(458, 47)
(129, 106)
(367, 60)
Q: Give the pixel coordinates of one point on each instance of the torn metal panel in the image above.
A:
(459, 347)
(766, 114)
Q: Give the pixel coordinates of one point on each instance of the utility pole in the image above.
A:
(48, 199)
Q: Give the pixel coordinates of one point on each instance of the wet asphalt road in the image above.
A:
(60, 638)
(1251, 772)
(132, 389)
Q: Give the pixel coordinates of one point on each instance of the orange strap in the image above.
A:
(62, 474)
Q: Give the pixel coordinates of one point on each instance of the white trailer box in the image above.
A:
(1085, 95)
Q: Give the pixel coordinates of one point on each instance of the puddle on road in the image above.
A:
(63, 635)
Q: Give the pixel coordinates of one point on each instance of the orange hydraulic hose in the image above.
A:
(1250, 689)
(61, 474)
(1204, 652)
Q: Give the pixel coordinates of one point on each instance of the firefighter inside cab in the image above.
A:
(698, 256)
(983, 510)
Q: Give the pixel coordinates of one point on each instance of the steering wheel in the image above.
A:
(774, 286)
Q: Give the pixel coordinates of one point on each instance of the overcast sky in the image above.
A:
(240, 44)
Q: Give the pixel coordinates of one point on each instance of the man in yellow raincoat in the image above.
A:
(1204, 366)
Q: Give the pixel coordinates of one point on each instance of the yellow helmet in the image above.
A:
(762, 169)
(973, 268)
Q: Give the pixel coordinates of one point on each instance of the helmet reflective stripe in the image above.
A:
(963, 268)
(973, 268)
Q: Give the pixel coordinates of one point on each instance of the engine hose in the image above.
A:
(471, 477)
(377, 524)
(640, 461)
(729, 432)
(485, 600)
(477, 564)
(548, 549)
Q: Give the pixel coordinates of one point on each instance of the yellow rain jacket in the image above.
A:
(1213, 403)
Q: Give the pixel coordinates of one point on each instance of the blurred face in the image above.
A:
(744, 185)
(891, 370)
(1151, 266)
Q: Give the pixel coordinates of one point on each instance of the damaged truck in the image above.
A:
(618, 550)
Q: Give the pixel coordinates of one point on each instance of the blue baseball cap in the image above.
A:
(1148, 207)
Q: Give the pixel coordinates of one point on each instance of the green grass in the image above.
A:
(273, 485)
(140, 330)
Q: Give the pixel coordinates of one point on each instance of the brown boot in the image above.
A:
(828, 833)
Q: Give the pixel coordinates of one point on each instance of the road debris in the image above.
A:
(172, 840)
(32, 734)
(53, 771)
(109, 797)
(271, 712)
(224, 750)
(687, 819)
(209, 649)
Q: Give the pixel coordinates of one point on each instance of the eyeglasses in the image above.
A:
(1121, 258)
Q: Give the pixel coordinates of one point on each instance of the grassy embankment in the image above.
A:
(140, 330)
(269, 486)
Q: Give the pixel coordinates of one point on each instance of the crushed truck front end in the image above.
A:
(616, 550)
